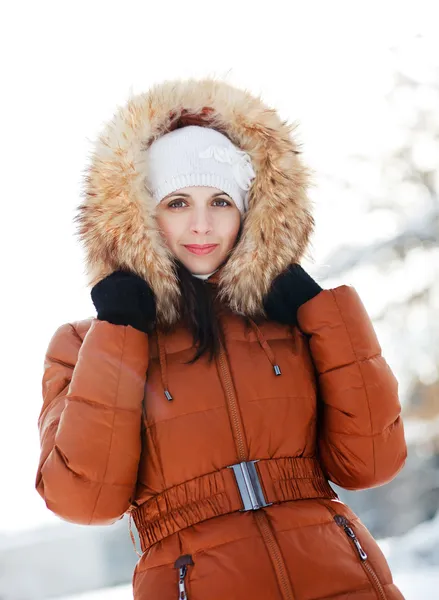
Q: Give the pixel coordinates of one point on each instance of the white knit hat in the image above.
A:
(198, 156)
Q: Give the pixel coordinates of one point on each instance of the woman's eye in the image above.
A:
(176, 204)
(221, 202)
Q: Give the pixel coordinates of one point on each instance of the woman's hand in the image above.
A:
(288, 292)
(124, 298)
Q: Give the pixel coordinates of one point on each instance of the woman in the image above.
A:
(220, 387)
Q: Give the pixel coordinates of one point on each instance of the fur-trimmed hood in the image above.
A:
(116, 221)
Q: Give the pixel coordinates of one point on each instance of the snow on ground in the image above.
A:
(121, 592)
(422, 584)
(415, 551)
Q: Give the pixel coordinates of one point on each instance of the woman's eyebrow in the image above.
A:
(181, 195)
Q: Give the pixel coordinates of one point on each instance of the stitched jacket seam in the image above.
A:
(362, 377)
(201, 550)
(112, 425)
(357, 361)
(99, 404)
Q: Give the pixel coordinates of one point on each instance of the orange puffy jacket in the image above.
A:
(223, 466)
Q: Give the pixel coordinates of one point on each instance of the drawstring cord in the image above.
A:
(265, 346)
(133, 540)
(163, 368)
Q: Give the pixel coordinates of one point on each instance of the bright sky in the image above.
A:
(65, 68)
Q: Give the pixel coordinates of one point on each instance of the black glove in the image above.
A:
(288, 292)
(124, 298)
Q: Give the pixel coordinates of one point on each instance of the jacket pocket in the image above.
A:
(347, 527)
(182, 564)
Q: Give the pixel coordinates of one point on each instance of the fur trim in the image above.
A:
(116, 220)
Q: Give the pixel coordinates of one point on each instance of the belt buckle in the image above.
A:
(249, 486)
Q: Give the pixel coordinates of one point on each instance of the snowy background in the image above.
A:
(362, 80)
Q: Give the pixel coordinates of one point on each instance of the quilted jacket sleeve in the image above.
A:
(361, 437)
(90, 421)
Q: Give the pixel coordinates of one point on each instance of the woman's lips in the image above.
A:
(200, 249)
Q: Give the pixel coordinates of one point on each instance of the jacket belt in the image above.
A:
(218, 493)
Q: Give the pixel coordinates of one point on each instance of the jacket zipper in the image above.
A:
(343, 522)
(182, 564)
(274, 550)
(232, 404)
(260, 516)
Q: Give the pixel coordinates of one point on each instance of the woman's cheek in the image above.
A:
(170, 231)
(232, 230)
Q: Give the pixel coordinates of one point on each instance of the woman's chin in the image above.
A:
(200, 266)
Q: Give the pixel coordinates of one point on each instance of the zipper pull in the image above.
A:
(354, 538)
(181, 564)
(343, 522)
(181, 587)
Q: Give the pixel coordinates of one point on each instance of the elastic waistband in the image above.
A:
(217, 494)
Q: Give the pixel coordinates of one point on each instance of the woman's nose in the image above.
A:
(201, 222)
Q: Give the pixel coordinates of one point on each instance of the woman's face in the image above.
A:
(200, 225)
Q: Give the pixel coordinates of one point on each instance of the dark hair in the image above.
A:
(198, 311)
